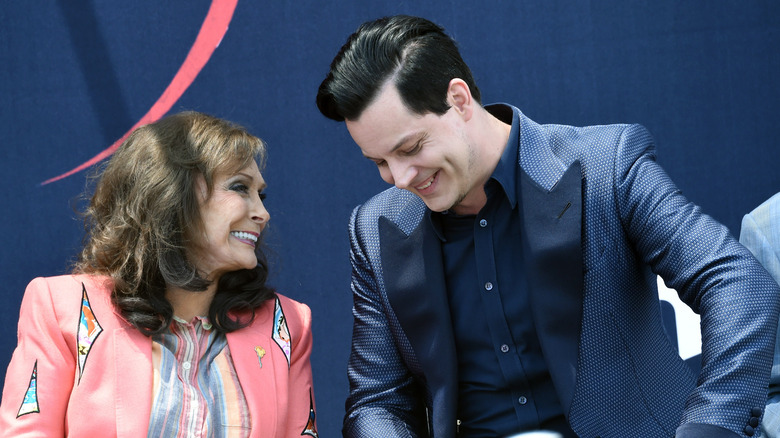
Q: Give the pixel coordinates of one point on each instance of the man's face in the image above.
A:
(428, 155)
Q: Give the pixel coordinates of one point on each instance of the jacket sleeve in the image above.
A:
(384, 399)
(761, 235)
(41, 373)
(716, 276)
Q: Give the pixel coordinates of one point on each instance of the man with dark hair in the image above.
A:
(507, 283)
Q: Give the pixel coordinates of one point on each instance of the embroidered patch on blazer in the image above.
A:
(311, 426)
(89, 330)
(281, 333)
(30, 402)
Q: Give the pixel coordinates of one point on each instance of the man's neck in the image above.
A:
(491, 135)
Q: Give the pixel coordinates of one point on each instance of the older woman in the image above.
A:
(167, 327)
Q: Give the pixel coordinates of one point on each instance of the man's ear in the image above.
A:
(460, 99)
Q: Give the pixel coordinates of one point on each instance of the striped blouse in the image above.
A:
(196, 391)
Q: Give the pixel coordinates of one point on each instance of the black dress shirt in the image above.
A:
(504, 385)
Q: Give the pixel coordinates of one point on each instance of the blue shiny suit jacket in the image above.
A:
(761, 235)
(600, 220)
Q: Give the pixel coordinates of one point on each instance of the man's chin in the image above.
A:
(433, 206)
(438, 207)
(437, 204)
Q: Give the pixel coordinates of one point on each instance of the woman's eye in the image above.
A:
(239, 187)
(262, 196)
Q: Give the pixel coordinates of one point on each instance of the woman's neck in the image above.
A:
(189, 304)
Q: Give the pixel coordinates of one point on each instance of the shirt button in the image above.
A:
(522, 400)
(504, 348)
(488, 286)
(186, 365)
(483, 223)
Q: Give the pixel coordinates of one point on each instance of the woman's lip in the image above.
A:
(241, 237)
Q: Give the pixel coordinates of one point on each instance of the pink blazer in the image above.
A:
(80, 369)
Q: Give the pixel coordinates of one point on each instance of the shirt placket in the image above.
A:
(508, 358)
(188, 358)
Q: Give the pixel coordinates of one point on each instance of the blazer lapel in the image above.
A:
(552, 229)
(550, 193)
(414, 280)
(133, 379)
(258, 359)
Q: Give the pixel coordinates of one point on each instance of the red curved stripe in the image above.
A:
(213, 29)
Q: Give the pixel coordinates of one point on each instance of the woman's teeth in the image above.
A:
(244, 236)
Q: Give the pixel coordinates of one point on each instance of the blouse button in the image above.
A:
(186, 366)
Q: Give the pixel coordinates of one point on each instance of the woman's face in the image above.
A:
(233, 218)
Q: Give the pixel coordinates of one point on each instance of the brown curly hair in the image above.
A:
(145, 205)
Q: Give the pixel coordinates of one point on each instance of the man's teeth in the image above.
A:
(244, 236)
(428, 184)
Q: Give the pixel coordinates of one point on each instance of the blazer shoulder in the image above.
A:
(297, 315)
(595, 137)
(64, 293)
(389, 203)
(401, 207)
(295, 311)
(71, 297)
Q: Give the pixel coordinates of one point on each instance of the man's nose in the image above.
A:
(403, 175)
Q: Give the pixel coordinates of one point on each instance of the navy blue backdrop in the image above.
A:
(76, 75)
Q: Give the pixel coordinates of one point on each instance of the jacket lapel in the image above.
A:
(133, 367)
(258, 360)
(414, 280)
(551, 199)
(554, 269)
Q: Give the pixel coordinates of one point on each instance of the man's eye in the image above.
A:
(413, 150)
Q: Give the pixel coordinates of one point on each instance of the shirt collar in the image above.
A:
(505, 172)
(436, 224)
(203, 320)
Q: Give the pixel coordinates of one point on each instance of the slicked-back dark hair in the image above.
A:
(412, 52)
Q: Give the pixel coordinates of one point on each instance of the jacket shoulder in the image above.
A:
(297, 315)
(295, 311)
(588, 138)
(68, 297)
(403, 208)
(61, 291)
